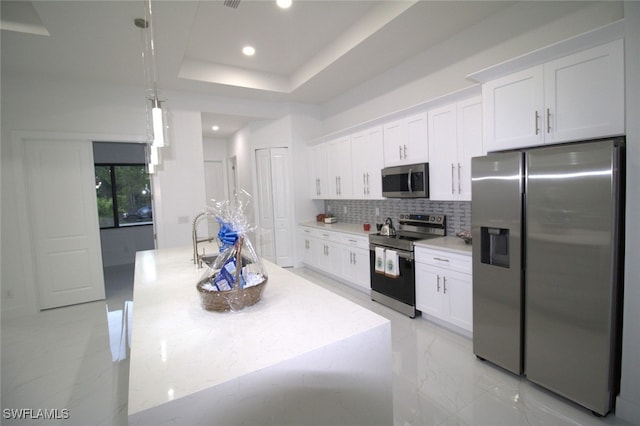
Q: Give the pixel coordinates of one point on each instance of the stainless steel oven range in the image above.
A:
(392, 259)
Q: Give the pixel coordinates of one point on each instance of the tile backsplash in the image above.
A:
(364, 211)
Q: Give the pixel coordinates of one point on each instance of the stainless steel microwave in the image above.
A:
(411, 181)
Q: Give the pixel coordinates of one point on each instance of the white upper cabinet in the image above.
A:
(443, 152)
(339, 164)
(319, 172)
(455, 136)
(580, 96)
(469, 142)
(405, 140)
(367, 159)
(584, 94)
(512, 108)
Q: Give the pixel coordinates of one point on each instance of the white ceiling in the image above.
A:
(309, 53)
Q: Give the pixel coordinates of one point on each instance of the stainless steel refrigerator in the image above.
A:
(547, 266)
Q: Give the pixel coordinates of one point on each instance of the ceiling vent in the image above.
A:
(232, 3)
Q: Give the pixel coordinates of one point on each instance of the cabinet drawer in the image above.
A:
(355, 241)
(444, 259)
(307, 231)
(327, 235)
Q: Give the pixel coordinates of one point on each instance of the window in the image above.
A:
(124, 195)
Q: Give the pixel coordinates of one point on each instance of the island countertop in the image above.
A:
(179, 349)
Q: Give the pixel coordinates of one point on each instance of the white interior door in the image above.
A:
(282, 206)
(274, 205)
(63, 218)
(214, 185)
(266, 239)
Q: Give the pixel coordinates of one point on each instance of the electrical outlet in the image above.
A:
(345, 209)
(377, 211)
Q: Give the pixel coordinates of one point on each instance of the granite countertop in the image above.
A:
(450, 244)
(178, 348)
(350, 228)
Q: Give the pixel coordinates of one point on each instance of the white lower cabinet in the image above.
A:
(328, 253)
(355, 266)
(341, 255)
(308, 245)
(444, 287)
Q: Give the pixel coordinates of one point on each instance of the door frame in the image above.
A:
(25, 245)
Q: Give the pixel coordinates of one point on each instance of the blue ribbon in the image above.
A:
(227, 234)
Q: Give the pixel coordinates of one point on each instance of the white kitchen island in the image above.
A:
(300, 356)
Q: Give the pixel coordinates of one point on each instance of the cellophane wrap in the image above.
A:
(223, 274)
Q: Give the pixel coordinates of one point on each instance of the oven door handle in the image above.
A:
(401, 253)
(409, 180)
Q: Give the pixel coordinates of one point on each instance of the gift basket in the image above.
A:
(236, 278)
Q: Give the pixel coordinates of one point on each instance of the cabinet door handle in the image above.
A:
(459, 179)
(438, 284)
(453, 191)
(440, 259)
(548, 120)
(365, 182)
(405, 151)
(400, 151)
(368, 185)
(537, 122)
(444, 285)
(354, 258)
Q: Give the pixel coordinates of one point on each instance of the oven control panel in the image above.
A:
(435, 219)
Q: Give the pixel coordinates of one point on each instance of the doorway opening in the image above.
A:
(124, 195)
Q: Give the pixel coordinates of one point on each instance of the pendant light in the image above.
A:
(156, 115)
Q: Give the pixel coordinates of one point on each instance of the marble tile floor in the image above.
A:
(75, 358)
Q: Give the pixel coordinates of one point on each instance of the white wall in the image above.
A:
(119, 245)
(628, 403)
(215, 149)
(178, 184)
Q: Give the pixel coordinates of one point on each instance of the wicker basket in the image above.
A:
(230, 300)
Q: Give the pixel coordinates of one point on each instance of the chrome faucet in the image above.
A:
(197, 258)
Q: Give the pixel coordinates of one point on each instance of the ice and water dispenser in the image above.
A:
(494, 246)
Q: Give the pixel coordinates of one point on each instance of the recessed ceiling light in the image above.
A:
(284, 4)
(215, 128)
(248, 50)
